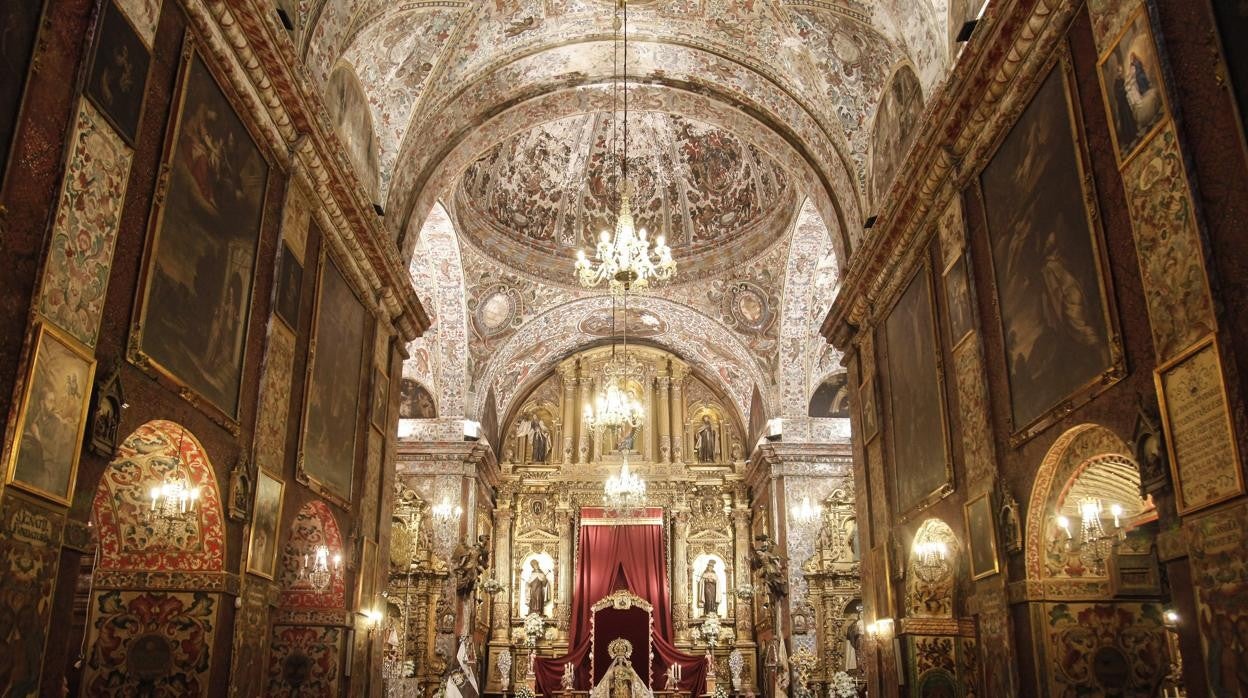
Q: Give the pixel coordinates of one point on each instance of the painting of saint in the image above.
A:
(267, 512)
(831, 398)
(414, 401)
(706, 441)
(289, 287)
(333, 400)
(118, 80)
(19, 27)
(1132, 86)
(958, 300)
(53, 416)
(894, 129)
(920, 454)
(982, 533)
(1046, 265)
(202, 254)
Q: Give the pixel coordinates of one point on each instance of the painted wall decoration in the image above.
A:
(314, 525)
(351, 115)
(150, 643)
(415, 402)
(981, 534)
(327, 452)
(1217, 543)
(1232, 21)
(1132, 86)
(1105, 649)
(1055, 315)
(30, 555)
(273, 416)
(958, 303)
(304, 661)
(249, 653)
(921, 468)
(84, 232)
(52, 416)
(127, 538)
(289, 288)
(118, 79)
(20, 23)
(893, 131)
(379, 398)
(266, 515)
(202, 248)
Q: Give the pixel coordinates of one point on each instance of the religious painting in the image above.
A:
(19, 27)
(896, 120)
(352, 117)
(536, 584)
(289, 287)
(414, 401)
(1132, 87)
(118, 79)
(870, 409)
(327, 454)
(981, 533)
(921, 468)
(379, 399)
(1232, 20)
(202, 247)
(265, 517)
(1056, 319)
(52, 416)
(958, 304)
(366, 586)
(831, 398)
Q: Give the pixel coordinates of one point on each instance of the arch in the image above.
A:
(799, 337)
(349, 111)
(893, 129)
(314, 525)
(156, 451)
(416, 401)
(1068, 454)
(930, 587)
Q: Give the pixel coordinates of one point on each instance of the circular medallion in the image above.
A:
(749, 306)
(496, 311)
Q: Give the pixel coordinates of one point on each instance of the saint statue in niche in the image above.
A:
(704, 441)
(708, 589)
(537, 589)
(539, 434)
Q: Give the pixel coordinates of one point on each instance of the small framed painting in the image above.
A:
(981, 532)
(379, 400)
(365, 588)
(118, 80)
(289, 288)
(870, 410)
(266, 516)
(52, 416)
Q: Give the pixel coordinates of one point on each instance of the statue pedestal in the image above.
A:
(710, 675)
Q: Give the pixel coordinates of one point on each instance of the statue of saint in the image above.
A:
(533, 427)
(537, 594)
(704, 441)
(708, 590)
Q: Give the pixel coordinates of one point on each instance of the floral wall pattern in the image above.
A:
(314, 525)
(303, 661)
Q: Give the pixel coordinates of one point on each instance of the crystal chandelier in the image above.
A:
(615, 408)
(625, 491)
(930, 562)
(316, 571)
(625, 260)
(1094, 543)
(174, 502)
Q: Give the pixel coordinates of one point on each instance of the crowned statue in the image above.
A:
(621, 680)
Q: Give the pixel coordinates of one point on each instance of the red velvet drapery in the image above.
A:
(627, 554)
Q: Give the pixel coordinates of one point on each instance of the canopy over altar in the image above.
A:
(621, 553)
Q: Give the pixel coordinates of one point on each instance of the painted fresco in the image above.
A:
(896, 122)
(1105, 649)
(415, 402)
(1054, 313)
(150, 643)
(920, 464)
(831, 398)
(327, 455)
(30, 555)
(19, 27)
(203, 249)
(351, 115)
(118, 79)
(84, 232)
(1218, 546)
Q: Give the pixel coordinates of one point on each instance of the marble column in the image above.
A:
(680, 574)
(678, 414)
(567, 373)
(664, 419)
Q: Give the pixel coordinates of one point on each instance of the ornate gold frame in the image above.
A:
(963, 258)
(147, 78)
(970, 537)
(1159, 375)
(251, 530)
(869, 384)
(134, 351)
(44, 330)
(622, 600)
(1119, 157)
(1117, 370)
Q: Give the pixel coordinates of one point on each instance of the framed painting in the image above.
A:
(19, 30)
(366, 588)
(289, 287)
(922, 470)
(117, 82)
(52, 416)
(870, 409)
(981, 535)
(201, 249)
(266, 516)
(379, 399)
(1132, 87)
(332, 398)
(1061, 342)
(1232, 26)
(958, 303)
(1200, 436)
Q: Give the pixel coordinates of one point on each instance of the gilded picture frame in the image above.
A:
(959, 299)
(1120, 100)
(981, 536)
(204, 365)
(51, 418)
(366, 585)
(930, 428)
(315, 466)
(1232, 479)
(266, 519)
(113, 53)
(1113, 369)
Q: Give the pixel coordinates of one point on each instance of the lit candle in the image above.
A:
(1116, 510)
(155, 497)
(1064, 523)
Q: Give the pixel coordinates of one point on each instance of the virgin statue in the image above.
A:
(708, 591)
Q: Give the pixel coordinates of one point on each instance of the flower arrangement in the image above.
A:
(843, 686)
(524, 692)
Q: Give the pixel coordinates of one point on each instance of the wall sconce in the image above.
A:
(931, 555)
(881, 629)
(806, 512)
(372, 619)
(445, 511)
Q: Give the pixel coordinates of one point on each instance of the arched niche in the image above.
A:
(416, 401)
(130, 538)
(831, 398)
(931, 571)
(314, 525)
(893, 129)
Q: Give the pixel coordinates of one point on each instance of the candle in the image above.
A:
(1116, 510)
(1065, 525)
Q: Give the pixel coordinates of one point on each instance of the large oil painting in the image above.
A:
(118, 79)
(333, 401)
(1132, 86)
(202, 252)
(53, 414)
(19, 26)
(1046, 261)
(921, 468)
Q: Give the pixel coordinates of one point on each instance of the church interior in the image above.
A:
(624, 348)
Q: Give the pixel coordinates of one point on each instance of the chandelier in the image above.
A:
(806, 512)
(615, 408)
(930, 562)
(625, 260)
(174, 502)
(1094, 544)
(625, 491)
(316, 571)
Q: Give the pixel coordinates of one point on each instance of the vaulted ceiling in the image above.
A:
(491, 126)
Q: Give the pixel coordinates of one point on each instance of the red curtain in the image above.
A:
(621, 556)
